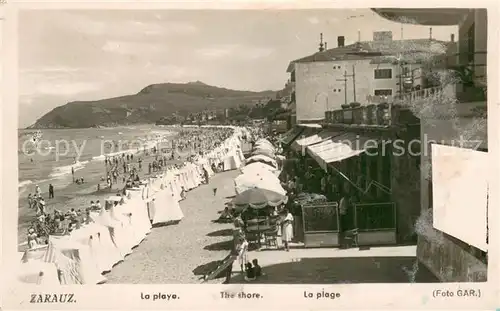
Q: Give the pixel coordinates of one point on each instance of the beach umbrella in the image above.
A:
(257, 167)
(266, 152)
(263, 159)
(263, 140)
(266, 181)
(264, 145)
(256, 173)
(258, 198)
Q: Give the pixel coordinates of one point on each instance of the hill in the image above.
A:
(148, 106)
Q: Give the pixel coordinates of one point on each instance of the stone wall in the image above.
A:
(449, 262)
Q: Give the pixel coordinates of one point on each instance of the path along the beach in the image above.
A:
(180, 253)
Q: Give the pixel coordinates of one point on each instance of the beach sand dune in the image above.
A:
(180, 253)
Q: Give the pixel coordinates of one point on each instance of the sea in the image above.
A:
(47, 156)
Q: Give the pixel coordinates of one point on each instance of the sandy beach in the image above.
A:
(182, 253)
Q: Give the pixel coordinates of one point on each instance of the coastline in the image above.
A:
(70, 195)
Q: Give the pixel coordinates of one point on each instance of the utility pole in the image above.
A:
(354, 81)
(345, 85)
(353, 76)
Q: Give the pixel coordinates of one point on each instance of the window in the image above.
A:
(383, 73)
(384, 92)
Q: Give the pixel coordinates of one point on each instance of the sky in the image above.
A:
(94, 54)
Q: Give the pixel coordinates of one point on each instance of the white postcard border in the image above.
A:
(354, 296)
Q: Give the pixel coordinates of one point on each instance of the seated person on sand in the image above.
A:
(257, 269)
(86, 217)
(128, 184)
(226, 214)
(249, 272)
(72, 213)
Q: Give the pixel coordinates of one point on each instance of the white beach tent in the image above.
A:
(132, 239)
(74, 261)
(118, 233)
(102, 248)
(33, 269)
(139, 220)
(166, 208)
(232, 161)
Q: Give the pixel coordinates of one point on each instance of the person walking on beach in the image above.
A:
(38, 192)
(73, 174)
(51, 191)
(109, 182)
(30, 201)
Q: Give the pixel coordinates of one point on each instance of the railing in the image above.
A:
(419, 95)
(468, 94)
(381, 115)
(375, 216)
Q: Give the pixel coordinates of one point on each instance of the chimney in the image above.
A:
(452, 39)
(340, 41)
(326, 45)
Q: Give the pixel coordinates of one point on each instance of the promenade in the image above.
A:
(182, 253)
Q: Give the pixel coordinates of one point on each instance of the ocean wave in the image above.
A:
(145, 144)
(66, 170)
(24, 183)
(114, 154)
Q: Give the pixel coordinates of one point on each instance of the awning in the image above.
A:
(311, 125)
(290, 136)
(329, 151)
(301, 143)
(356, 141)
(339, 148)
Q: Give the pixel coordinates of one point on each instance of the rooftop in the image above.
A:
(411, 50)
(423, 16)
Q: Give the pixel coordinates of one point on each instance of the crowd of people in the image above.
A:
(127, 168)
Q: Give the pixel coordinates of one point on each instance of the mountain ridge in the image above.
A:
(149, 105)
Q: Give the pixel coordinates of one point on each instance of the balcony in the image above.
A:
(414, 96)
(371, 116)
(463, 94)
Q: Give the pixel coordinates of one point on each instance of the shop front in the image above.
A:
(376, 223)
(321, 224)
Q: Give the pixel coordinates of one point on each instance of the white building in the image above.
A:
(364, 72)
